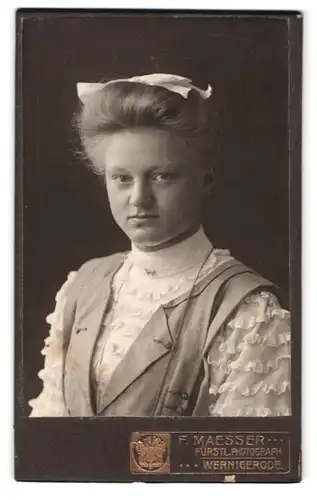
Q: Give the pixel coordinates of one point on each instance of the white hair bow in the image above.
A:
(174, 83)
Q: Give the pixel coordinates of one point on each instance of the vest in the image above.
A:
(165, 371)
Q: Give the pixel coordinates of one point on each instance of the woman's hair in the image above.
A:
(130, 105)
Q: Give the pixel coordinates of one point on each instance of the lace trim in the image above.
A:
(256, 366)
(259, 366)
(270, 339)
(232, 346)
(246, 321)
(140, 291)
(50, 401)
(256, 298)
(277, 387)
(47, 407)
(222, 365)
(230, 342)
(133, 308)
(249, 411)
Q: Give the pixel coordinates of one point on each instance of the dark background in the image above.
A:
(66, 219)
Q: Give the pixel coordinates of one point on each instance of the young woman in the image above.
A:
(174, 326)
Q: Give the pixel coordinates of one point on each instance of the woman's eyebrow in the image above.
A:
(167, 166)
(118, 168)
(152, 168)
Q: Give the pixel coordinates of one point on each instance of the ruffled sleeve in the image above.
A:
(50, 402)
(250, 361)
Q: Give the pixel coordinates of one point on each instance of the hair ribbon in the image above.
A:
(174, 83)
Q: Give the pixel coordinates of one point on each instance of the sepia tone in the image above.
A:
(175, 294)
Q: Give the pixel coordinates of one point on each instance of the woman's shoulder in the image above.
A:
(236, 280)
(101, 264)
(90, 272)
(261, 306)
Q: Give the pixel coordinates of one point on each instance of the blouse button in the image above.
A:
(184, 396)
(179, 409)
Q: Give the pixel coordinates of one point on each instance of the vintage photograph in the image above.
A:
(173, 325)
(154, 201)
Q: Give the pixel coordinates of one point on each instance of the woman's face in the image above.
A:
(154, 190)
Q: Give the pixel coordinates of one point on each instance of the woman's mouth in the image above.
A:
(142, 220)
(142, 216)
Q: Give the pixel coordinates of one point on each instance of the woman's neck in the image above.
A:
(183, 255)
(178, 239)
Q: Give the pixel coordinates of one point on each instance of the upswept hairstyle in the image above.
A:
(130, 105)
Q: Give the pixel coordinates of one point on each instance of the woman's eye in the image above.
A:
(122, 178)
(164, 177)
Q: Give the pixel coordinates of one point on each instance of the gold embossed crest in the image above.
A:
(149, 452)
(230, 479)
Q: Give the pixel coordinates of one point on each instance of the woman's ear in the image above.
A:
(208, 180)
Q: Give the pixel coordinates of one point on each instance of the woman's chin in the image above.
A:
(146, 241)
(153, 242)
(147, 237)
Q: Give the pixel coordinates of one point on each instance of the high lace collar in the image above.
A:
(178, 258)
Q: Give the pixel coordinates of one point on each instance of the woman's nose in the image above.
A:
(141, 195)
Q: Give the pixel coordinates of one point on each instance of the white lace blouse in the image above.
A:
(249, 360)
